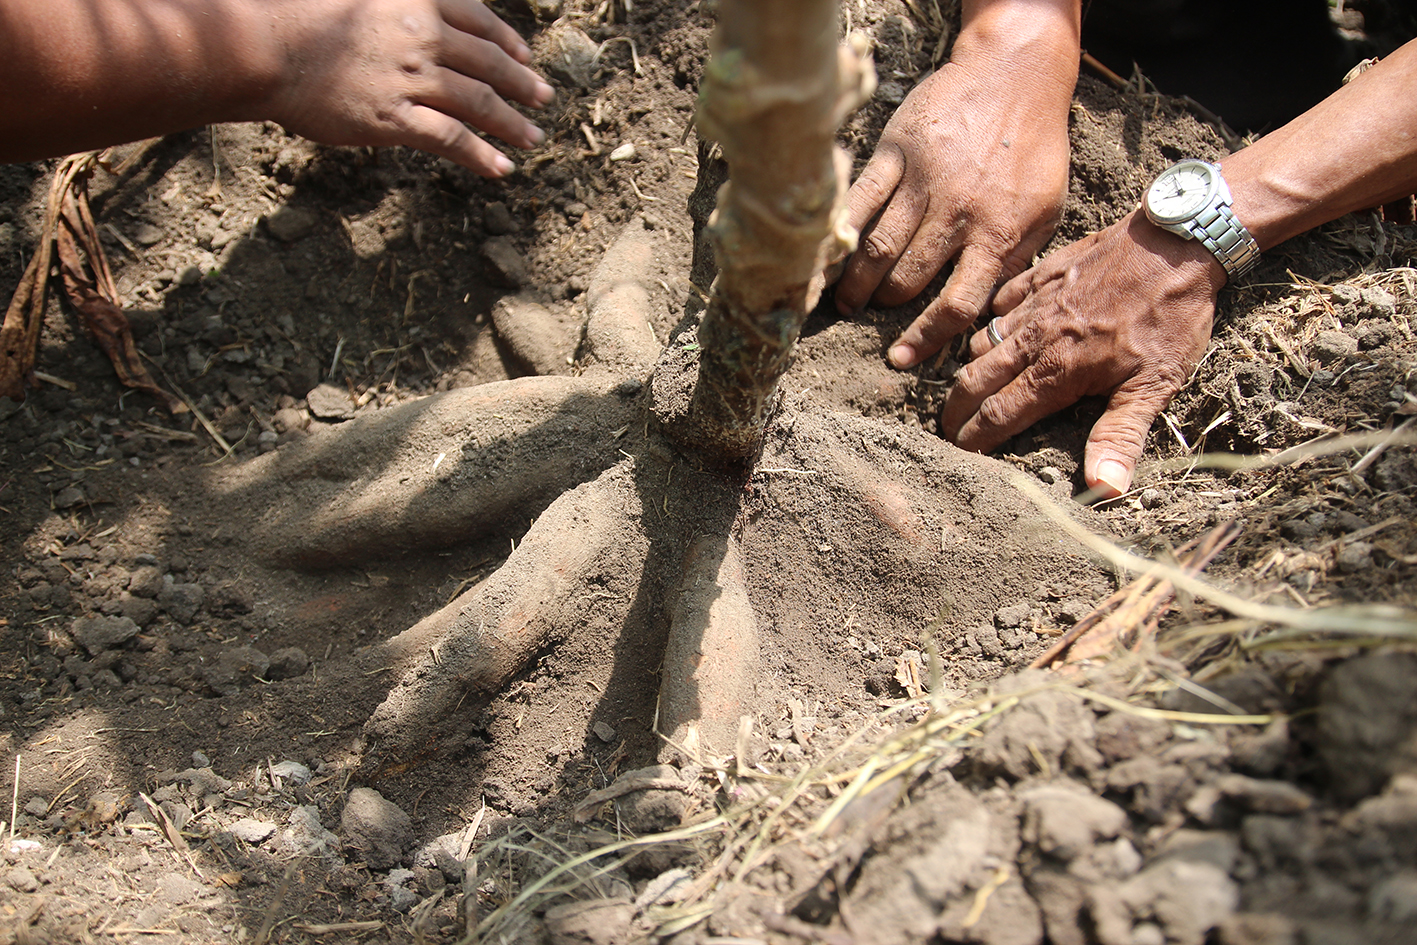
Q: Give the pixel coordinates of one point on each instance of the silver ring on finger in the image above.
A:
(992, 331)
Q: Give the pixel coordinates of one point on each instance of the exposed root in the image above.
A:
(618, 335)
(581, 561)
(433, 472)
(534, 334)
(711, 659)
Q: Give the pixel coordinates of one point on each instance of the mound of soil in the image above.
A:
(194, 641)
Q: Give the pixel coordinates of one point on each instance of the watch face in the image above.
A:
(1180, 192)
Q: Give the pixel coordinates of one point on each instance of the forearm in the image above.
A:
(1038, 42)
(1355, 149)
(79, 74)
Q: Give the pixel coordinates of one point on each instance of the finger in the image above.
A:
(1037, 392)
(485, 61)
(472, 16)
(875, 252)
(981, 344)
(431, 130)
(1014, 291)
(964, 298)
(979, 380)
(480, 106)
(875, 185)
(1119, 436)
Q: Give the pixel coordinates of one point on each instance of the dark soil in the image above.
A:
(157, 642)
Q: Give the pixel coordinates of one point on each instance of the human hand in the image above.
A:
(1126, 312)
(411, 72)
(973, 167)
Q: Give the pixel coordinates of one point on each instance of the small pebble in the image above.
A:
(1355, 556)
(292, 771)
(182, 601)
(497, 219)
(401, 898)
(604, 732)
(22, 880)
(289, 224)
(288, 663)
(892, 93)
(1333, 345)
(97, 634)
(505, 262)
(251, 831)
(69, 497)
(375, 829)
(1011, 616)
(147, 235)
(103, 808)
(1073, 610)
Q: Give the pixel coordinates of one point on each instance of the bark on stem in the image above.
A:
(775, 91)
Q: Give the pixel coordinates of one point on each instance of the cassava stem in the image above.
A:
(774, 93)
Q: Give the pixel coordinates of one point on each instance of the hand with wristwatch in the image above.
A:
(1126, 313)
(1190, 199)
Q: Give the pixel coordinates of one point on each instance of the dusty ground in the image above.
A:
(154, 645)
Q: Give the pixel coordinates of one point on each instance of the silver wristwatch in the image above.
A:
(1191, 199)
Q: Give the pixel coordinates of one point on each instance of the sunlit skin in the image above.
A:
(1125, 313)
(971, 170)
(973, 167)
(81, 74)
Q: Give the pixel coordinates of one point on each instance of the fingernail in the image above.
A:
(544, 93)
(523, 52)
(1114, 476)
(536, 135)
(503, 165)
(902, 356)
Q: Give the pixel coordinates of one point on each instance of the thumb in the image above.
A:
(1118, 437)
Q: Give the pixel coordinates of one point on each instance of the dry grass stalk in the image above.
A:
(171, 833)
(1131, 615)
(339, 928)
(1369, 620)
(809, 812)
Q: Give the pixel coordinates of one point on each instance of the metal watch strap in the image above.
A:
(1217, 228)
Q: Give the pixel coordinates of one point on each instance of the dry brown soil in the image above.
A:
(214, 632)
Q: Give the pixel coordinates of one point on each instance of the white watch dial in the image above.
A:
(1181, 192)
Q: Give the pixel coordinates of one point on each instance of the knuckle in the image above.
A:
(1124, 438)
(976, 346)
(869, 189)
(959, 308)
(1051, 365)
(994, 413)
(969, 380)
(877, 247)
(482, 101)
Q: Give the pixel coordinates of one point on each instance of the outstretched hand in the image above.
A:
(973, 168)
(411, 72)
(1124, 313)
